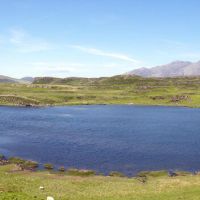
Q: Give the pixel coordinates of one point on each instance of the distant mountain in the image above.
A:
(27, 79)
(174, 69)
(7, 79)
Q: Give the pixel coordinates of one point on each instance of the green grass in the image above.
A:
(153, 173)
(24, 185)
(113, 90)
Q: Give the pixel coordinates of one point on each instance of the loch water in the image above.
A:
(106, 138)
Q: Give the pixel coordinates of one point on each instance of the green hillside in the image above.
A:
(180, 91)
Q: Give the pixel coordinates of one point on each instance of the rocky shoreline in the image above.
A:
(32, 166)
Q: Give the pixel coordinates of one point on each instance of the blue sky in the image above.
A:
(93, 38)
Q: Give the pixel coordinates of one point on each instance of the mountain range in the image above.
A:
(174, 69)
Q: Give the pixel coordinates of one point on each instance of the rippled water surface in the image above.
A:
(105, 138)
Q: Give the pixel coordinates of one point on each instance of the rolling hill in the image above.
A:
(7, 79)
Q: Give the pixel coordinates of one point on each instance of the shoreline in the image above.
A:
(34, 166)
(109, 104)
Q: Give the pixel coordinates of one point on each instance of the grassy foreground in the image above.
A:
(24, 185)
(183, 91)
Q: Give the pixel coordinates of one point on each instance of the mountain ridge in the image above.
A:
(173, 69)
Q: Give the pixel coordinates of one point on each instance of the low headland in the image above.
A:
(20, 180)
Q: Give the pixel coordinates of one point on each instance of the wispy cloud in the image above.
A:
(99, 52)
(178, 50)
(1, 39)
(25, 43)
(173, 43)
(191, 55)
(64, 68)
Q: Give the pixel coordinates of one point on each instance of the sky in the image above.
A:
(93, 38)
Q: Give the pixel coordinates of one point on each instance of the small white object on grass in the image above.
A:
(41, 188)
(50, 198)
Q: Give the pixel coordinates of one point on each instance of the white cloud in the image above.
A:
(25, 43)
(99, 52)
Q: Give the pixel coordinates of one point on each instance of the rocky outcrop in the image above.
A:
(179, 98)
(3, 160)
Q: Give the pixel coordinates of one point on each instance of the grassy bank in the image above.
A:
(24, 185)
(115, 90)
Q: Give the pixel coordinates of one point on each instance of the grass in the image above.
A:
(152, 173)
(24, 185)
(183, 91)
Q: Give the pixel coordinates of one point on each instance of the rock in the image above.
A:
(28, 105)
(3, 160)
(157, 97)
(50, 198)
(172, 174)
(179, 98)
